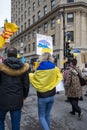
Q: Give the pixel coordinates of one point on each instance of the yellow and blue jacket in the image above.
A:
(46, 77)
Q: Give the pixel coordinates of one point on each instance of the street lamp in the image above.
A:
(64, 37)
(64, 34)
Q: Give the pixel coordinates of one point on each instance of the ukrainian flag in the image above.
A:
(46, 77)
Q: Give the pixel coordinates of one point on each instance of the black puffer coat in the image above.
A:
(14, 83)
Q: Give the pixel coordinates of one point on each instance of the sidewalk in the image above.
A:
(61, 119)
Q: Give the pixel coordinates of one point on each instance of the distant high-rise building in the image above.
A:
(41, 16)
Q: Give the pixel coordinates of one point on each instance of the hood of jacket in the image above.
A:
(13, 67)
(13, 63)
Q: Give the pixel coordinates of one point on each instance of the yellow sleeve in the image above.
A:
(59, 75)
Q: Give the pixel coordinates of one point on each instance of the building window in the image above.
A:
(21, 18)
(16, 4)
(52, 4)
(18, 21)
(21, 28)
(25, 37)
(33, 6)
(53, 23)
(16, 14)
(39, 2)
(33, 45)
(29, 22)
(33, 18)
(53, 39)
(21, 7)
(29, 1)
(45, 27)
(45, 10)
(14, 7)
(68, 1)
(25, 25)
(34, 33)
(71, 36)
(29, 35)
(18, 30)
(29, 11)
(25, 3)
(19, 2)
(25, 14)
(39, 29)
(39, 14)
(21, 39)
(29, 48)
(18, 11)
(70, 17)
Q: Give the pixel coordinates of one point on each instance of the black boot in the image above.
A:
(85, 94)
(81, 98)
(72, 112)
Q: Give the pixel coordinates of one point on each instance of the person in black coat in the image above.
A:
(14, 88)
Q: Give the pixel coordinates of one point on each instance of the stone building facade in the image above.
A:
(41, 16)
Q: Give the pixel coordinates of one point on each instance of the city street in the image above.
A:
(61, 119)
(47, 38)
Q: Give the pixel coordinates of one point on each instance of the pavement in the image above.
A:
(60, 117)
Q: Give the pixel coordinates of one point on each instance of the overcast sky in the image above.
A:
(5, 11)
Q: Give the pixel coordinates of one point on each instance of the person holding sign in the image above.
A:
(44, 80)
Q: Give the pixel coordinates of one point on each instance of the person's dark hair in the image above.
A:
(12, 52)
(74, 61)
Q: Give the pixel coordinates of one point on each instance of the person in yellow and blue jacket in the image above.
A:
(44, 80)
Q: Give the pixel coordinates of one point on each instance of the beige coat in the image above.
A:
(72, 84)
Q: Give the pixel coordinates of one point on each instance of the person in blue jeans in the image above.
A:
(15, 119)
(44, 109)
(44, 80)
(14, 88)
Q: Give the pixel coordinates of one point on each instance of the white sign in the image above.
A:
(60, 86)
(44, 44)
